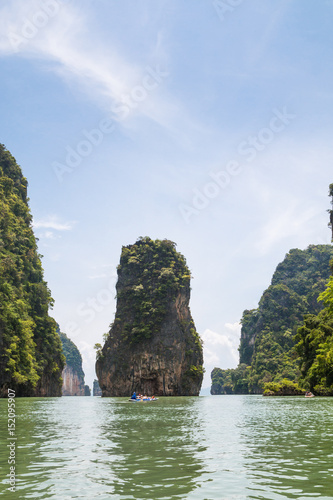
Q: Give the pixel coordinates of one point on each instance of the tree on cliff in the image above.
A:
(152, 345)
(31, 356)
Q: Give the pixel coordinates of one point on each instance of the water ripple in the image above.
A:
(207, 448)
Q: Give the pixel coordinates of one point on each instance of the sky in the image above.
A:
(208, 123)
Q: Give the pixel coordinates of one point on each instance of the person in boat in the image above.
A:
(133, 395)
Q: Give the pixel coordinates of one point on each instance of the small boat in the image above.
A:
(309, 395)
(143, 400)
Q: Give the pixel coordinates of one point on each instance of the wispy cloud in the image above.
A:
(49, 235)
(97, 276)
(271, 31)
(286, 223)
(99, 69)
(221, 348)
(52, 222)
(62, 39)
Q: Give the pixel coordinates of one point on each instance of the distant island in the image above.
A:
(72, 375)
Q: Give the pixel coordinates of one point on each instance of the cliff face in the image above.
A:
(295, 287)
(31, 358)
(72, 374)
(96, 389)
(152, 346)
(267, 344)
(72, 383)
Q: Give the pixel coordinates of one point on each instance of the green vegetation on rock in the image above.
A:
(31, 357)
(284, 388)
(267, 346)
(152, 273)
(72, 354)
(152, 346)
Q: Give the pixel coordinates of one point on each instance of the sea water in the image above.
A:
(204, 448)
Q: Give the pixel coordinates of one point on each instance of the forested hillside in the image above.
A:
(72, 354)
(31, 358)
(267, 346)
(72, 374)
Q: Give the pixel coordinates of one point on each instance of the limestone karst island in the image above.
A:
(152, 346)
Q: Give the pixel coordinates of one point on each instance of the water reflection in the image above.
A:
(101, 448)
(153, 449)
(211, 448)
(287, 445)
(54, 439)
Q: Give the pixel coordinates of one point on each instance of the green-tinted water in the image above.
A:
(206, 448)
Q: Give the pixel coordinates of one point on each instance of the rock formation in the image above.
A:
(96, 389)
(31, 358)
(72, 374)
(267, 344)
(152, 346)
(72, 383)
(294, 290)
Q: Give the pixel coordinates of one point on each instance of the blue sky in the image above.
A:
(208, 123)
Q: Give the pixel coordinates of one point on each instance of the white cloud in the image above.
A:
(88, 354)
(63, 39)
(234, 328)
(48, 235)
(97, 276)
(52, 222)
(220, 349)
(98, 69)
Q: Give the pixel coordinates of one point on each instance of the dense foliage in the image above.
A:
(231, 381)
(315, 349)
(151, 273)
(267, 347)
(30, 349)
(284, 388)
(72, 354)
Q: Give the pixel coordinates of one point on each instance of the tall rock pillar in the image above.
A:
(152, 346)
